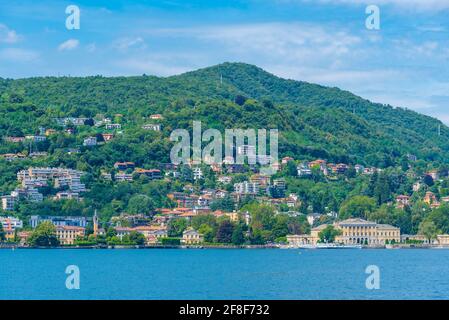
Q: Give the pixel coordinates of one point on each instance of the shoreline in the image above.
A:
(249, 247)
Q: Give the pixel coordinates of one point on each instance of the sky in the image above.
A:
(405, 63)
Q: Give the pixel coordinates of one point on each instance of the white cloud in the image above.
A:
(291, 41)
(127, 43)
(18, 55)
(424, 5)
(68, 45)
(7, 35)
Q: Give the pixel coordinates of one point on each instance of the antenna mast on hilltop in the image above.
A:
(439, 130)
(221, 79)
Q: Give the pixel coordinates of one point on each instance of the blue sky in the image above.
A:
(405, 63)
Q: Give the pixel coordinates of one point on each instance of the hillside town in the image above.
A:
(216, 204)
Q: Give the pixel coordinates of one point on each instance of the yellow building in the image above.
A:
(353, 231)
(68, 234)
(306, 239)
(152, 234)
(443, 239)
(9, 234)
(191, 236)
(359, 231)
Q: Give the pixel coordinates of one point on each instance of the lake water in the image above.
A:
(224, 274)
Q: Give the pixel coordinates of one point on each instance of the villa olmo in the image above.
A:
(352, 231)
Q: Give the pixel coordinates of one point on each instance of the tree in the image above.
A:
(280, 226)
(204, 219)
(186, 174)
(170, 241)
(225, 204)
(136, 238)
(382, 192)
(240, 100)
(262, 221)
(207, 231)
(357, 207)
(2, 233)
(140, 204)
(238, 237)
(224, 232)
(176, 227)
(328, 234)
(428, 180)
(351, 173)
(428, 229)
(44, 236)
(290, 169)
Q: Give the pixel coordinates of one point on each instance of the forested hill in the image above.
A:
(314, 121)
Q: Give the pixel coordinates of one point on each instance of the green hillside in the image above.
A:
(314, 121)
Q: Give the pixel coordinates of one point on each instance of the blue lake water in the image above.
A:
(224, 274)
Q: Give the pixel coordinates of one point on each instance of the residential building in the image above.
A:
(153, 127)
(152, 173)
(417, 186)
(113, 126)
(402, 201)
(311, 218)
(246, 188)
(286, 160)
(107, 136)
(260, 179)
(197, 173)
(156, 117)
(71, 120)
(152, 233)
(11, 223)
(36, 138)
(353, 231)
(173, 173)
(90, 142)
(224, 179)
(13, 156)
(122, 166)
(74, 221)
(359, 168)
(8, 203)
(279, 183)
(122, 231)
(246, 150)
(32, 194)
(431, 199)
(106, 176)
(191, 236)
(303, 170)
(443, 239)
(50, 132)
(68, 234)
(121, 177)
(67, 195)
(14, 139)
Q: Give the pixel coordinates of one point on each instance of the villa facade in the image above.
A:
(353, 231)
